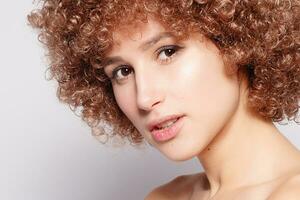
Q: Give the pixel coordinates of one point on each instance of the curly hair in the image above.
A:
(259, 37)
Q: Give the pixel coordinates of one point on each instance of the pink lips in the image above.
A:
(154, 123)
(165, 134)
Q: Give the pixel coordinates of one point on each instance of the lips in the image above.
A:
(169, 132)
(155, 123)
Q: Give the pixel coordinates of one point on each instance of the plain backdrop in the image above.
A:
(46, 151)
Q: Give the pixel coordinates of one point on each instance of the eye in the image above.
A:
(122, 70)
(167, 52)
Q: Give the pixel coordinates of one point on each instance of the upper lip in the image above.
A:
(162, 120)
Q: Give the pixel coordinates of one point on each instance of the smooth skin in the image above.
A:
(244, 156)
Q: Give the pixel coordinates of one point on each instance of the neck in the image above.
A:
(245, 152)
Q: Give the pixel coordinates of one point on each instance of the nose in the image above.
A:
(150, 89)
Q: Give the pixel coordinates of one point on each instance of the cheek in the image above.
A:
(125, 99)
(209, 96)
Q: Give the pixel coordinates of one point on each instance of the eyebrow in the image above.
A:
(145, 46)
(152, 41)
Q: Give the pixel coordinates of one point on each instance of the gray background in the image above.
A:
(47, 152)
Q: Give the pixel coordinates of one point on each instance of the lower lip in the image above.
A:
(168, 133)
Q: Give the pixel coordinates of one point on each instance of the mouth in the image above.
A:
(163, 121)
(167, 131)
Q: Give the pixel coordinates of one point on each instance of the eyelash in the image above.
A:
(175, 48)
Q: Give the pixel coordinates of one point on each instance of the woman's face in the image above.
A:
(165, 77)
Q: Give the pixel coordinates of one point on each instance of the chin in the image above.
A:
(180, 154)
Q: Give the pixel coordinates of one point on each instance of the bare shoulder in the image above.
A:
(168, 190)
(290, 189)
(157, 194)
(177, 189)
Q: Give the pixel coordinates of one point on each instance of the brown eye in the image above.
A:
(121, 72)
(167, 52)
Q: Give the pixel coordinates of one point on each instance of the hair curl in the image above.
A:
(261, 38)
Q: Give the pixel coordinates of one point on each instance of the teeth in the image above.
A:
(166, 124)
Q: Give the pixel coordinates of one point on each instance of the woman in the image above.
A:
(203, 79)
